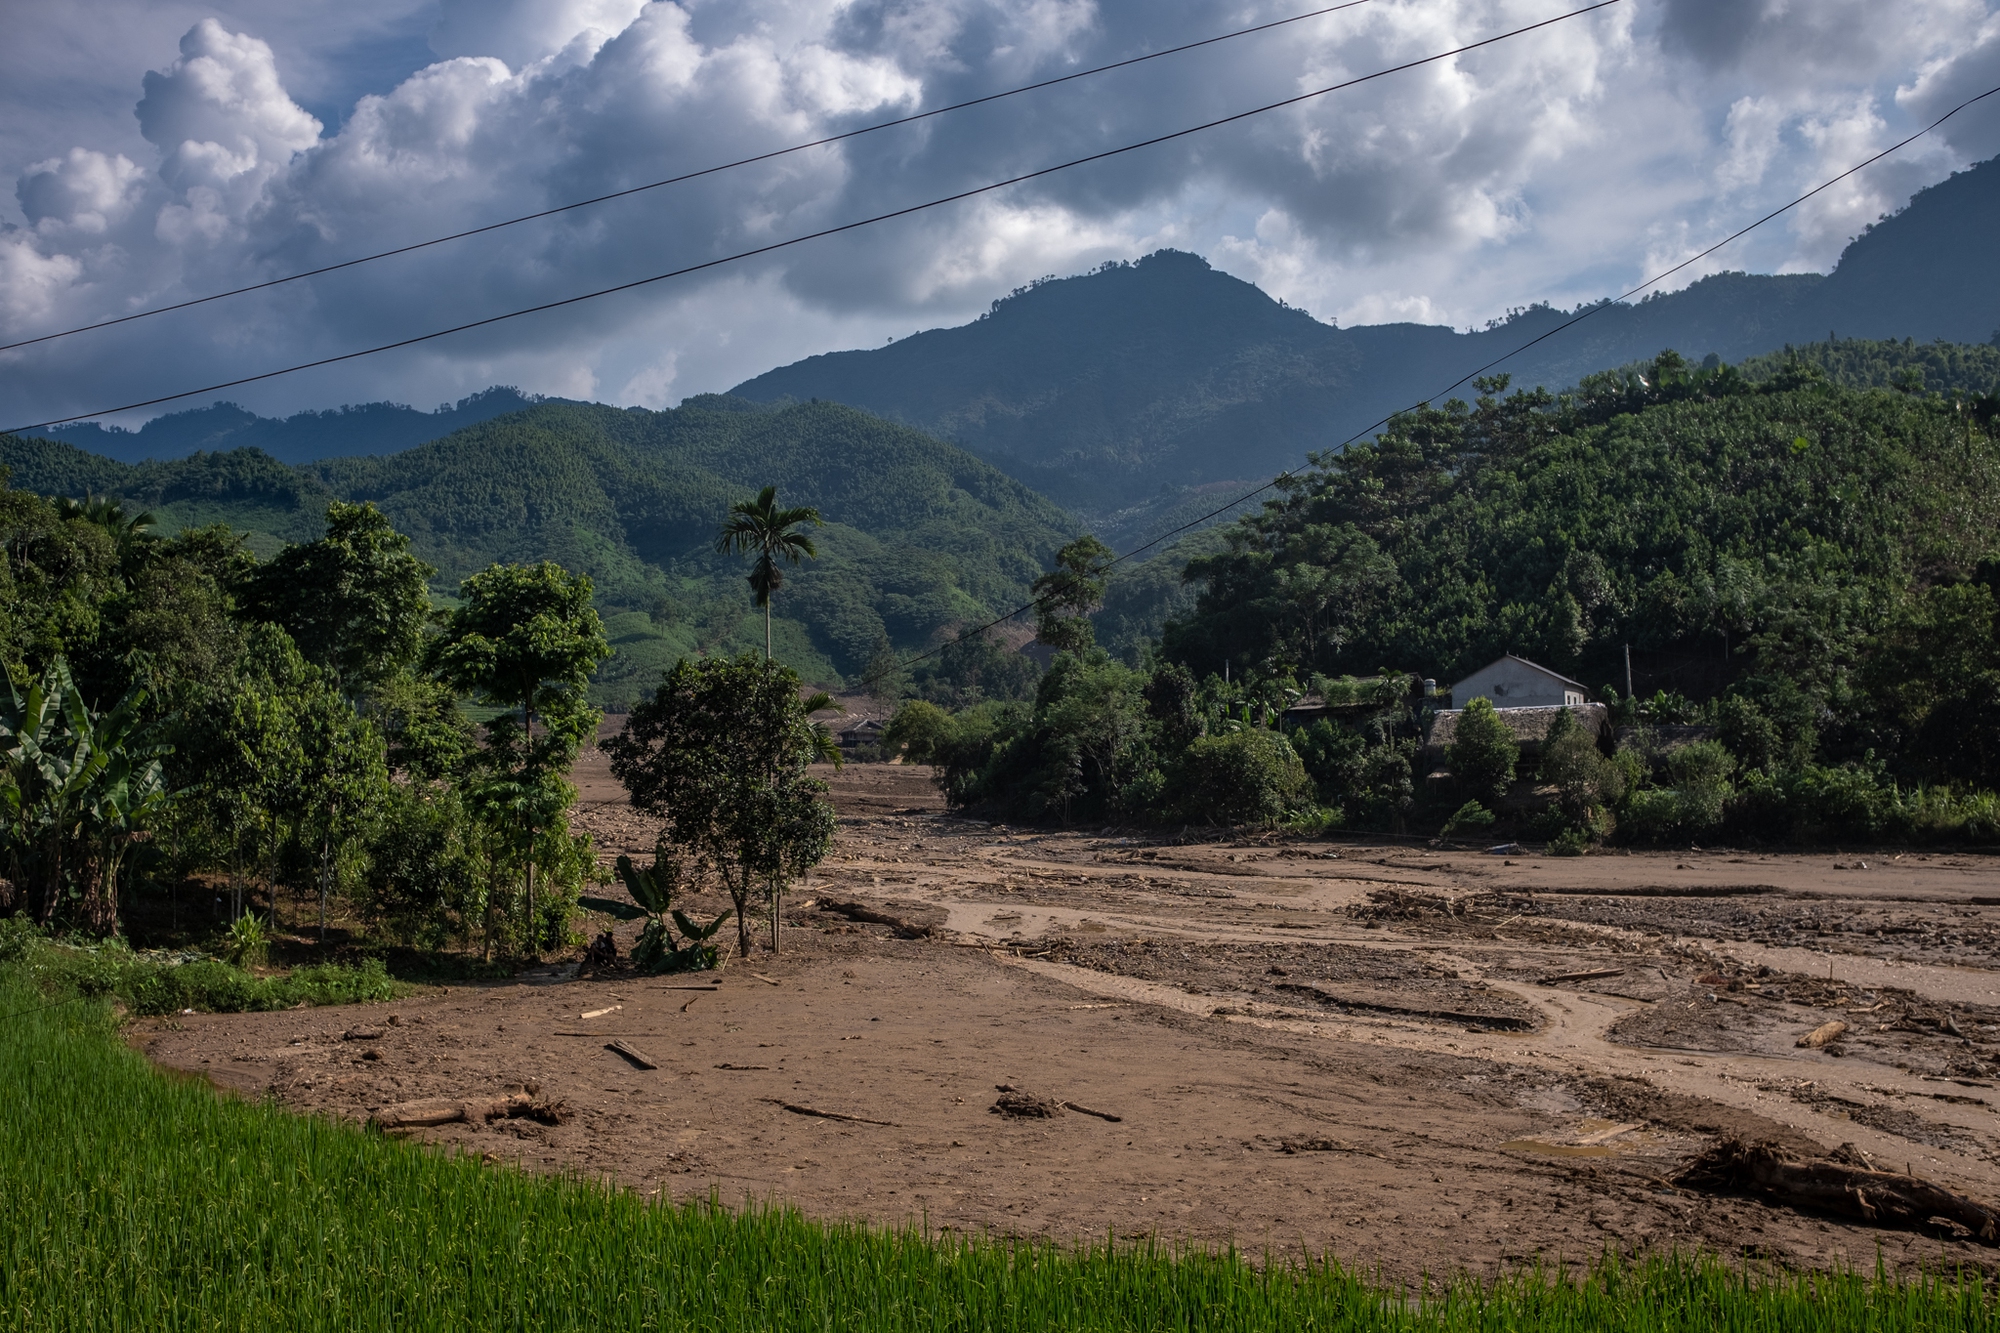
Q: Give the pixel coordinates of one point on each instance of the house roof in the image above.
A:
(1507, 657)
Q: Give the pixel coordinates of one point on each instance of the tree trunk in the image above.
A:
(767, 629)
(740, 895)
(777, 908)
(325, 870)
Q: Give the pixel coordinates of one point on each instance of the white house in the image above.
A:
(1515, 682)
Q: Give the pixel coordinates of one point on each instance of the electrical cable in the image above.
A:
(1575, 319)
(823, 232)
(686, 176)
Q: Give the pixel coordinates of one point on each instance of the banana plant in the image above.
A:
(76, 788)
(653, 889)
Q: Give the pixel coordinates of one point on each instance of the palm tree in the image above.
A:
(759, 527)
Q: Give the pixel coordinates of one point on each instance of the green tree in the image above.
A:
(526, 639)
(722, 752)
(1587, 783)
(355, 601)
(758, 527)
(1067, 594)
(1242, 777)
(1483, 752)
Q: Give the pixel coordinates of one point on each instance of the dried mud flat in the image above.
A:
(1417, 1060)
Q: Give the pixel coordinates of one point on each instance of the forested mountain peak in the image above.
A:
(1125, 391)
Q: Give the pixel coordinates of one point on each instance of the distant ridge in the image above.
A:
(364, 429)
(1120, 392)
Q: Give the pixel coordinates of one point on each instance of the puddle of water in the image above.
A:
(1556, 1149)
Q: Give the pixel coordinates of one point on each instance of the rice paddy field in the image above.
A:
(130, 1199)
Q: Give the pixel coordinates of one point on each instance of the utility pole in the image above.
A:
(1628, 671)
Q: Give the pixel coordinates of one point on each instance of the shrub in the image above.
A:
(1483, 753)
(1471, 815)
(1701, 780)
(1238, 778)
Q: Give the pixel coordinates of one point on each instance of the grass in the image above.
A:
(150, 984)
(132, 1200)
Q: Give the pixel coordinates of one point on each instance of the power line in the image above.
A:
(1575, 319)
(686, 176)
(824, 232)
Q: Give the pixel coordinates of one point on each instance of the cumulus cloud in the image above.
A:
(1556, 167)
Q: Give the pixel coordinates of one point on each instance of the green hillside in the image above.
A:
(920, 535)
(1724, 528)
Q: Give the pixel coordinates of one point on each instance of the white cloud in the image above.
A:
(1556, 166)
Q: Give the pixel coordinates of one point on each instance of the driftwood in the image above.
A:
(796, 1109)
(430, 1114)
(909, 930)
(1504, 1022)
(632, 1053)
(1820, 1183)
(1020, 1102)
(1823, 1034)
(1596, 975)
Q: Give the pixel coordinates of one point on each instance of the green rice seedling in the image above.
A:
(131, 1200)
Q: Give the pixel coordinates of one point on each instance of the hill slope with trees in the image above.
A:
(920, 535)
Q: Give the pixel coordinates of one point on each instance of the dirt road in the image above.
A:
(1420, 1060)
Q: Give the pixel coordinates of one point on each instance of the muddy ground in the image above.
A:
(1418, 1059)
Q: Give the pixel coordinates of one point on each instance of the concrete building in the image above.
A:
(1515, 682)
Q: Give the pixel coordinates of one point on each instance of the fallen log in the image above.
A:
(632, 1053)
(1081, 1109)
(1820, 1183)
(434, 1112)
(418, 1115)
(1504, 1022)
(1823, 1034)
(909, 930)
(1596, 975)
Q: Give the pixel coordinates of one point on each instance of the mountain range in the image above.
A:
(1128, 393)
(951, 465)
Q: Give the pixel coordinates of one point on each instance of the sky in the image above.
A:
(162, 150)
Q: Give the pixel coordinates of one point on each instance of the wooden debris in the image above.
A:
(418, 1115)
(432, 1113)
(362, 1034)
(796, 1109)
(1596, 975)
(742, 1068)
(632, 1053)
(1504, 1022)
(707, 987)
(1824, 1033)
(1606, 1135)
(599, 1013)
(1025, 1105)
(1290, 1146)
(1822, 1183)
(690, 1004)
(1085, 1110)
(909, 930)
(766, 980)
